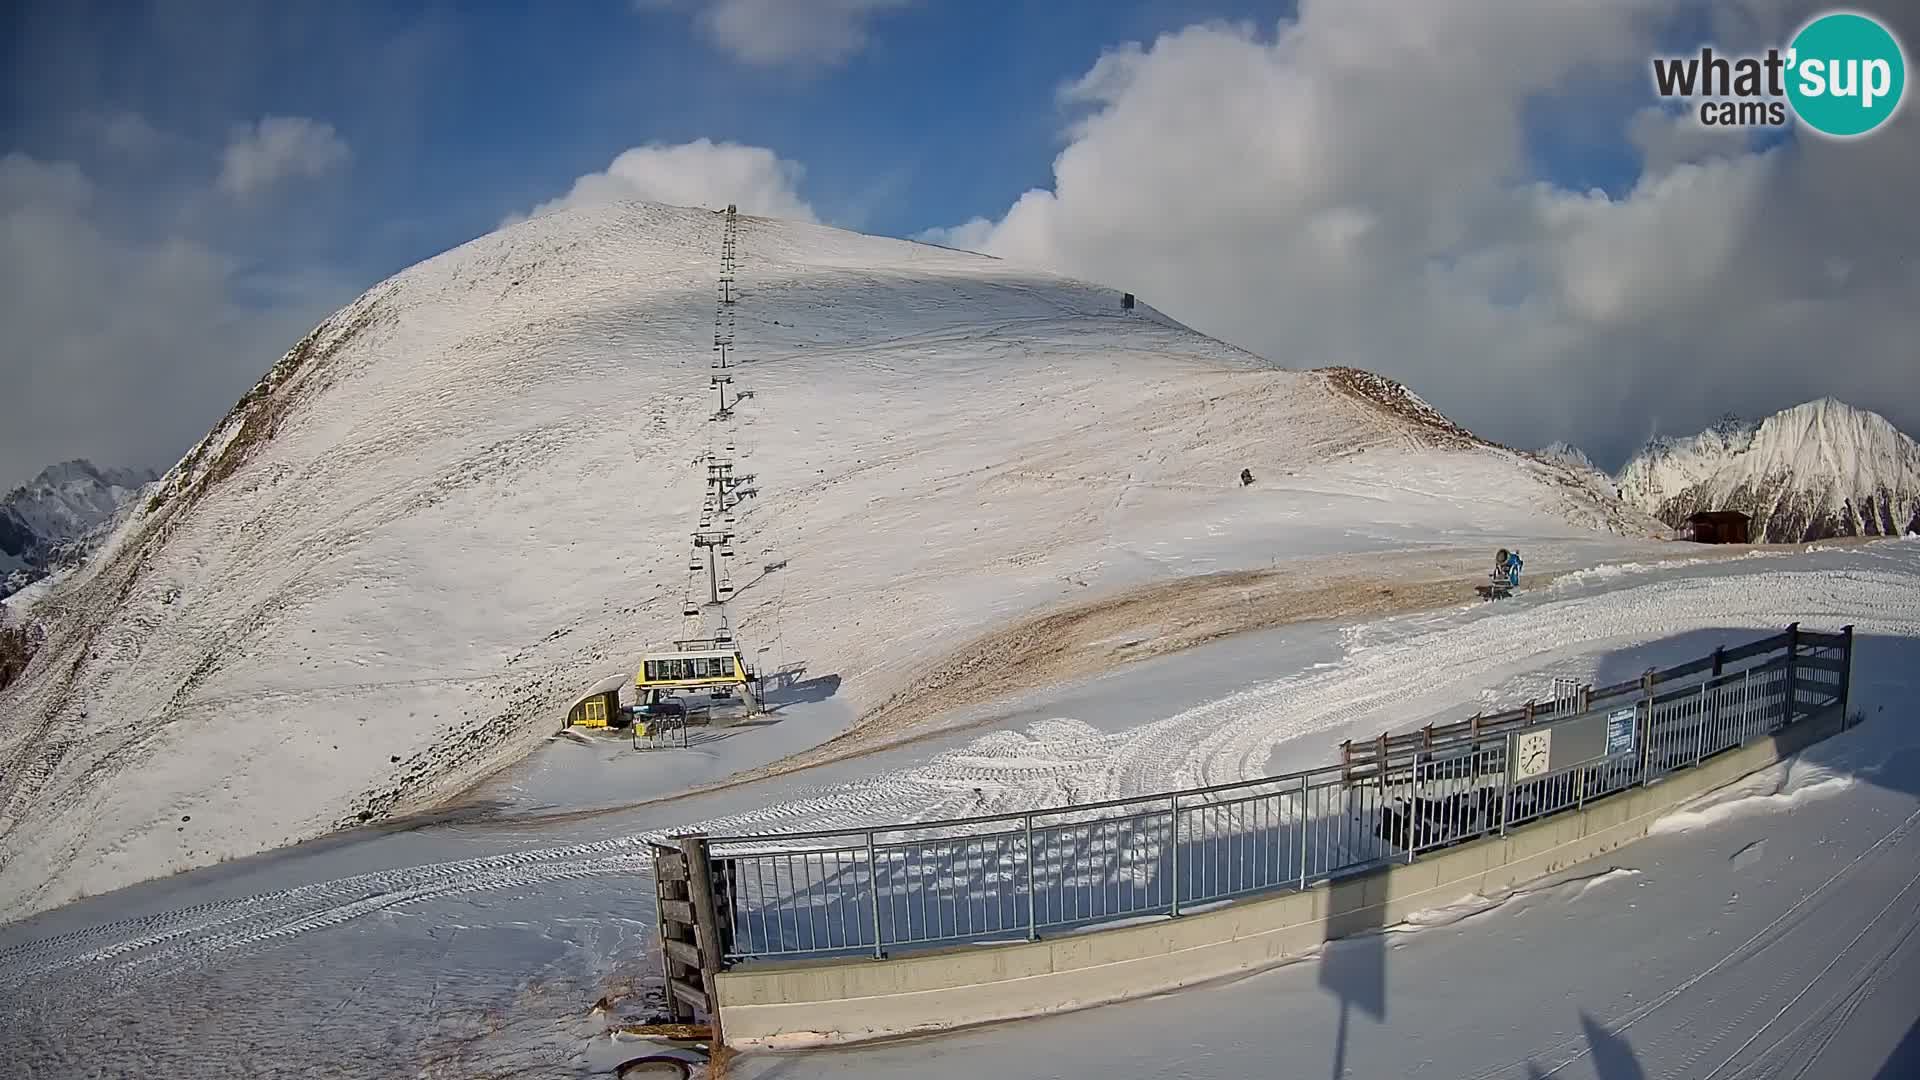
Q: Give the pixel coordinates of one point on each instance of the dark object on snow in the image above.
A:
(1246, 477)
(1505, 577)
(1126, 301)
(1719, 527)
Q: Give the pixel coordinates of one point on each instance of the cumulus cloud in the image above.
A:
(280, 148)
(1344, 189)
(770, 33)
(118, 347)
(698, 173)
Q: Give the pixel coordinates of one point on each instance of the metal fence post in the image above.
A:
(1173, 803)
(1506, 786)
(1413, 806)
(1700, 738)
(1846, 671)
(1646, 742)
(1033, 931)
(1303, 830)
(873, 896)
(1793, 663)
(1746, 706)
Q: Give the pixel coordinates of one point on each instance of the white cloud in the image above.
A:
(698, 173)
(1356, 187)
(118, 348)
(130, 133)
(770, 33)
(280, 148)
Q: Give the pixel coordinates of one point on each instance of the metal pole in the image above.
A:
(1173, 802)
(1033, 928)
(713, 577)
(1303, 832)
(1700, 740)
(1746, 704)
(1506, 788)
(1793, 661)
(1646, 739)
(1413, 807)
(873, 897)
(1846, 672)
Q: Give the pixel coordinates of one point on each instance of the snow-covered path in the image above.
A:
(1391, 679)
(1768, 931)
(477, 948)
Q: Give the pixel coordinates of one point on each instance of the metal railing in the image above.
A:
(1016, 876)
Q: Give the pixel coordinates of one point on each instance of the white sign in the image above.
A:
(1531, 752)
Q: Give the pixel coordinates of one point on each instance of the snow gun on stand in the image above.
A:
(1505, 576)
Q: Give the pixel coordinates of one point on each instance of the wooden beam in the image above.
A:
(692, 995)
(684, 952)
(669, 866)
(707, 919)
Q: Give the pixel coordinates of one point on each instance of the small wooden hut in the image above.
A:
(1720, 527)
(599, 706)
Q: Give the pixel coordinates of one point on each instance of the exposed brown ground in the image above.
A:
(1103, 633)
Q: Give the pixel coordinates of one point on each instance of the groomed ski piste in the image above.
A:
(1764, 931)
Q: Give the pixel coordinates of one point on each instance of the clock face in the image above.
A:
(1532, 751)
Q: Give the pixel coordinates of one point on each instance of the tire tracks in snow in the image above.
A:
(167, 941)
(1048, 764)
(1234, 737)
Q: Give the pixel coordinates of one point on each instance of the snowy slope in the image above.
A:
(467, 494)
(48, 520)
(1820, 469)
(463, 949)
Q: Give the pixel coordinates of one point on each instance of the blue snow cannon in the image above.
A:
(1505, 576)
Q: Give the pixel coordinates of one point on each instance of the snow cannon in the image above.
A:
(1505, 576)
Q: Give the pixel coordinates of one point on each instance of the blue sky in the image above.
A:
(1523, 235)
(459, 114)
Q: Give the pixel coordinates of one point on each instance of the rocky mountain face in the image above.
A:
(52, 520)
(1817, 470)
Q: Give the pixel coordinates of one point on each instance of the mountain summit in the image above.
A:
(46, 522)
(1817, 470)
(468, 495)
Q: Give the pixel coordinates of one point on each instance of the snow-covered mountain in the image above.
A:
(49, 521)
(467, 495)
(1573, 458)
(1820, 469)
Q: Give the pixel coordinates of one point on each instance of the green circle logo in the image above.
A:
(1846, 74)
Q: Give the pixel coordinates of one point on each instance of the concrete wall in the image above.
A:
(848, 1000)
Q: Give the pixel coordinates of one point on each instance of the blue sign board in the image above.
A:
(1621, 729)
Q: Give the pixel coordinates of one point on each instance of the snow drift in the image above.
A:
(468, 493)
(1817, 470)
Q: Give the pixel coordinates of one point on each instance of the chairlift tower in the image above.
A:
(718, 544)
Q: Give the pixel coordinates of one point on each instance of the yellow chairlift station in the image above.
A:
(692, 669)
